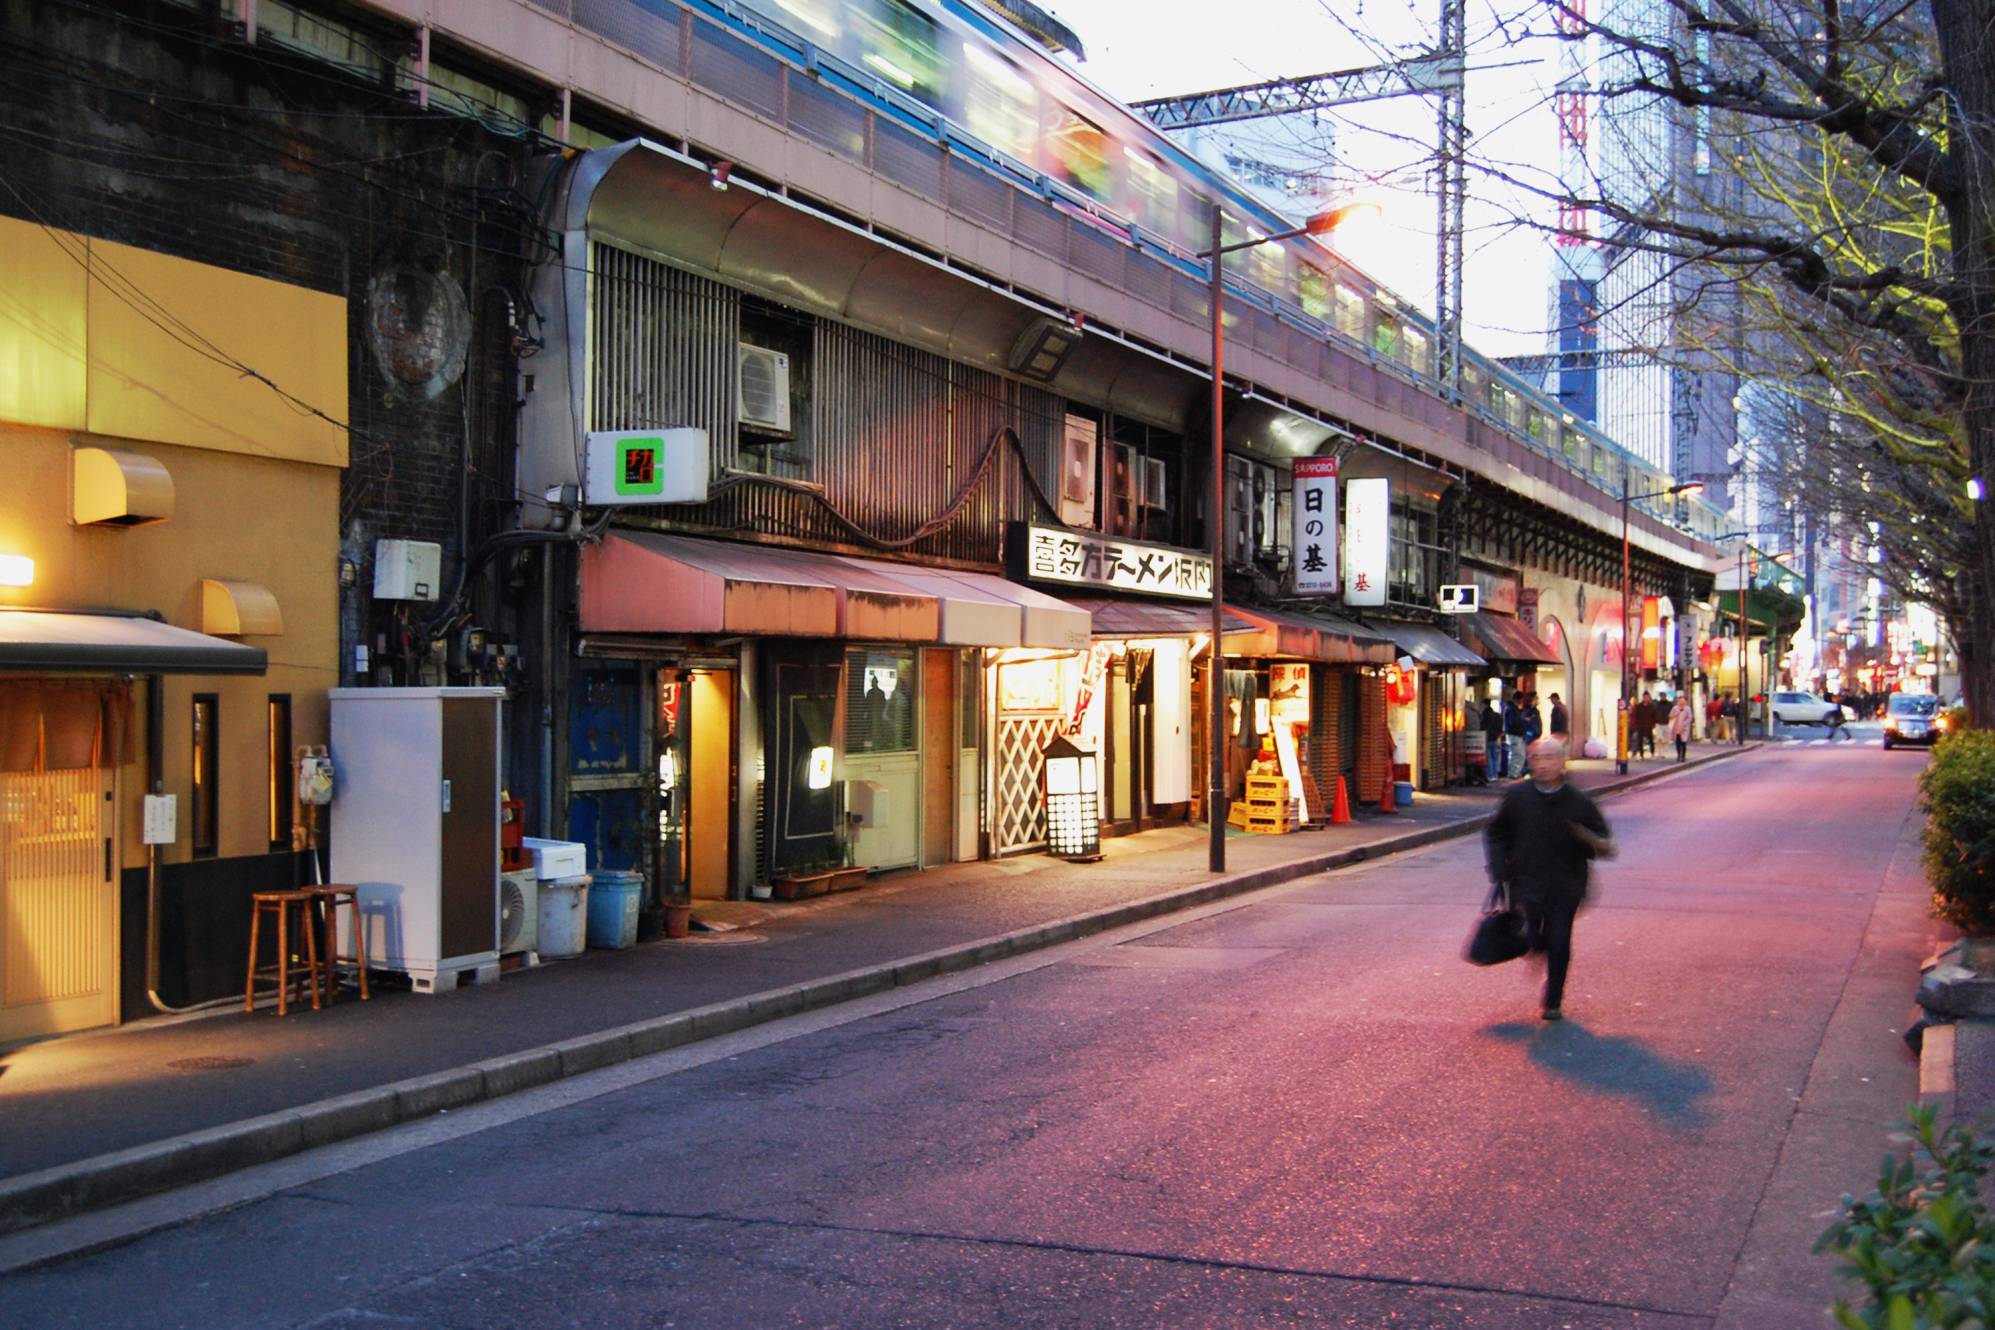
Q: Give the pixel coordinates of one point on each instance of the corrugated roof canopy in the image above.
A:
(1500, 637)
(1427, 643)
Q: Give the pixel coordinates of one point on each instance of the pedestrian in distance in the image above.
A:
(1681, 720)
(1497, 759)
(1540, 846)
(1838, 723)
(1641, 726)
(1561, 723)
(1714, 720)
(1513, 735)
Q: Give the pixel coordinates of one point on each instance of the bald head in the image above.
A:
(1548, 762)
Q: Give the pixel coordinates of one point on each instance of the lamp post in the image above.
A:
(1320, 224)
(1627, 590)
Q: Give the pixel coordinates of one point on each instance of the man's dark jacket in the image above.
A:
(1531, 846)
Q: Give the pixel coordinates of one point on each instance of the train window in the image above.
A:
(1385, 336)
(1000, 103)
(1078, 153)
(899, 44)
(1155, 195)
(1416, 344)
(1268, 268)
(1350, 313)
(1497, 399)
(1534, 423)
(1312, 292)
(819, 17)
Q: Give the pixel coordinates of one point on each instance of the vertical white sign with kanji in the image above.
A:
(1367, 540)
(1313, 543)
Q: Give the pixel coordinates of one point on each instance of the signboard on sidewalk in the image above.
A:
(1367, 540)
(1313, 541)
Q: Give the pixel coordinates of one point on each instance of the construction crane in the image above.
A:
(1438, 72)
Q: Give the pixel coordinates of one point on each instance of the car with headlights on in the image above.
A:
(1913, 718)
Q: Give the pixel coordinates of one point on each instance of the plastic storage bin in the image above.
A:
(1402, 792)
(613, 897)
(564, 916)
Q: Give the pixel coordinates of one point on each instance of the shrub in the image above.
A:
(1922, 1245)
(1957, 789)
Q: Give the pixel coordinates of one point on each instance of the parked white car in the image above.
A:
(1802, 709)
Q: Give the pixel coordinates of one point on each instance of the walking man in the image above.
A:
(1513, 735)
(1839, 723)
(1561, 726)
(1539, 844)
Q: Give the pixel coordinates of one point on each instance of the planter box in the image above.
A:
(797, 886)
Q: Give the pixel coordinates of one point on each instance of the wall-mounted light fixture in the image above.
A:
(16, 570)
(719, 173)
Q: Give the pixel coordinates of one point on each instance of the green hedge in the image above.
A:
(1921, 1247)
(1957, 790)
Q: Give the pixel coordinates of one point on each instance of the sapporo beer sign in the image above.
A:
(1313, 540)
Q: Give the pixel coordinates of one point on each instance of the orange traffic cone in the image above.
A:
(1340, 810)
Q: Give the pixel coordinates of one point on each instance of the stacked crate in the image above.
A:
(1267, 810)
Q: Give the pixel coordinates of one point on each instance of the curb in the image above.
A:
(41, 1197)
(1936, 1049)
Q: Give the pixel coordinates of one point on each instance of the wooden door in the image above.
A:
(58, 903)
(938, 753)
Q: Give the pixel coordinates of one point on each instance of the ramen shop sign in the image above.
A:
(1086, 558)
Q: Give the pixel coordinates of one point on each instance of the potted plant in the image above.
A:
(678, 913)
(816, 877)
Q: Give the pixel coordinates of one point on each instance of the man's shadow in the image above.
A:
(1615, 1064)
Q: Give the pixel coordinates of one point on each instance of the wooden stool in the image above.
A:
(330, 899)
(278, 904)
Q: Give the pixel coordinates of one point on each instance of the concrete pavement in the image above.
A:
(1293, 1108)
(101, 1118)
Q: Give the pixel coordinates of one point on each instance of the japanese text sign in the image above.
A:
(1313, 542)
(1367, 544)
(1084, 558)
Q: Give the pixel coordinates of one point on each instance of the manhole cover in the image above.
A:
(212, 1062)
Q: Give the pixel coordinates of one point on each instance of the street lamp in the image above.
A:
(1320, 224)
(1627, 590)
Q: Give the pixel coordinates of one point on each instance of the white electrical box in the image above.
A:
(866, 804)
(646, 466)
(407, 569)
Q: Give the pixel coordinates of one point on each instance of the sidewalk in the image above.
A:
(104, 1116)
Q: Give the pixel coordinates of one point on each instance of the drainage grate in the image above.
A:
(211, 1062)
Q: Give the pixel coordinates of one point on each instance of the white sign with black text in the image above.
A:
(1313, 541)
(1367, 540)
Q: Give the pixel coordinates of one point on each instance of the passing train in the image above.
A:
(955, 68)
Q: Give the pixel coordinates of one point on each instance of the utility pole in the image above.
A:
(1436, 72)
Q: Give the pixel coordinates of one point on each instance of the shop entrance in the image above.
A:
(58, 903)
(695, 782)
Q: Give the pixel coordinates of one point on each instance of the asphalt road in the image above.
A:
(1297, 1109)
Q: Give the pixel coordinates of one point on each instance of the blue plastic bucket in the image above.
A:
(1402, 793)
(613, 898)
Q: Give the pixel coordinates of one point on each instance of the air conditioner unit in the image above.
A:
(762, 389)
(519, 912)
(1127, 491)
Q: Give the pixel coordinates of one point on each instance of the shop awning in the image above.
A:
(652, 583)
(1428, 644)
(1148, 618)
(1311, 637)
(108, 642)
(1500, 637)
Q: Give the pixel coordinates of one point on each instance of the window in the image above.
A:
(206, 752)
(879, 701)
(283, 773)
(1385, 337)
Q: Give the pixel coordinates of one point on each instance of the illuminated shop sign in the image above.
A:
(1367, 530)
(1085, 558)
(1313, 509)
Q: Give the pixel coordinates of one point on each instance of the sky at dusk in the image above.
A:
(1147, 48)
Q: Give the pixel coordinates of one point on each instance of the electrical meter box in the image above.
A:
(407, 569)
(646, 466)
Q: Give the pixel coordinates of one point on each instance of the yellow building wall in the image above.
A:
(134, 344)
(257, 519)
